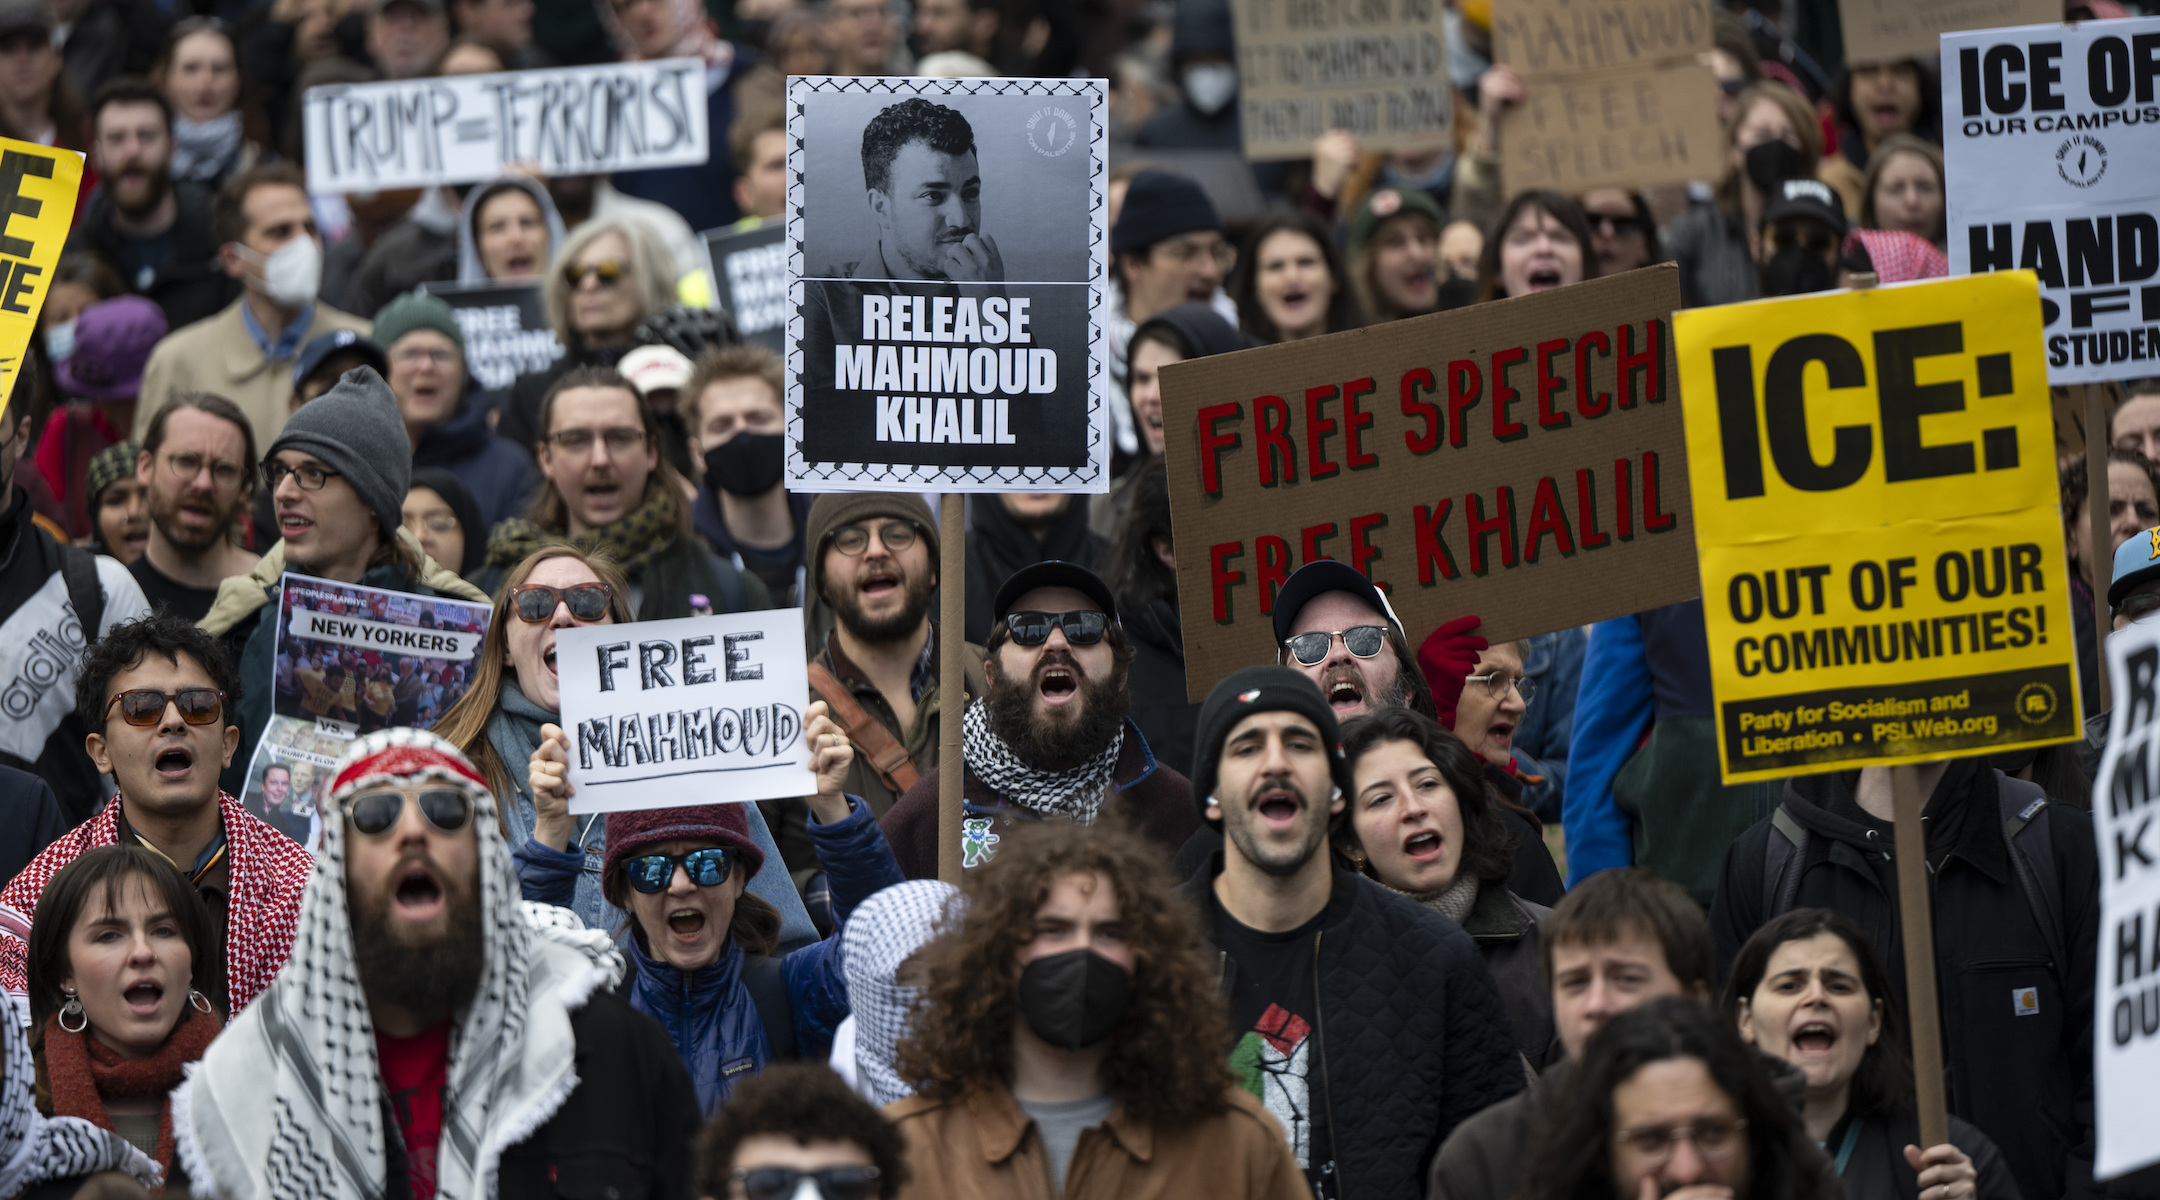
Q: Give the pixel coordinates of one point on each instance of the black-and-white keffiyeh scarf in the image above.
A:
(35, 1147)
(1076, 793)
(288, 1102)
(880, 935)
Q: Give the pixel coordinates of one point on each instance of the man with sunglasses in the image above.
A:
(429, 1021)
(1051, 738)
(157, 695)
(2133, 598)
(799, 1124)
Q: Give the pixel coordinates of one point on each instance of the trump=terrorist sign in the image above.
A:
(701, 710)
(1876, 525)
(38, 185)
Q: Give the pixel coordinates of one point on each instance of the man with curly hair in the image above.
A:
(798, 1123)
(925, 192)
(1071, 1043)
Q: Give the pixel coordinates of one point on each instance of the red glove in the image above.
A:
(1448, 656)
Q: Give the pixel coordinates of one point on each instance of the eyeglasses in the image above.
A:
(144, 707)
(1189, 253)
(852, 540)
(782, 1183)
(609, 273)
(2138, 604)
(1713, 1139)
(620, 440)
(1815, 239)
(223, 472)
(1612, 226)
(1733, 86)
(438, 522)
(1496, 685)
(310, 476)
(409, 355)
(651, 873)
(375, 813)
(535, 602)
(1082, 628)
(1364, 641)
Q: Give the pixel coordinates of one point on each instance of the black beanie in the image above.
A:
(1250, 690)
(1159, 206)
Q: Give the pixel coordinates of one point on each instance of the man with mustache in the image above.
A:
(1051, 738)
(198, 468)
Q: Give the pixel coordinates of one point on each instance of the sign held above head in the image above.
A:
(1377, 69)
(38, 187)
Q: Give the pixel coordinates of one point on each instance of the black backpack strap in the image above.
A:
(767, 983)
(78, 569)
(1784, 852)
(2032, 859)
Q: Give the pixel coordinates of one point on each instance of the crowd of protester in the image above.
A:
(1399, 912)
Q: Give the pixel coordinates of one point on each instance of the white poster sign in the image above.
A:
(2126, 996)
(2050, 136)
(463, 128)
(702, 710)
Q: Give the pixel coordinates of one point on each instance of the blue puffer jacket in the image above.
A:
(709, 1013)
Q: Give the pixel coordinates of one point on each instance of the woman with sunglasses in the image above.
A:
(118, 953)
(1622, 234)
(1809, 988)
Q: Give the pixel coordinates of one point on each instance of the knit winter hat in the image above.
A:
(113, 340)
(834, 509)
(417, 310)
(355, 430)
(1385, 204)
(630, 834)
(1259, 689)
(395, 757)
(112, 464)
(1160, 206)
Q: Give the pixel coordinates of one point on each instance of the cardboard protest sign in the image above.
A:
(462, 128)
(1520, 460)
(506, 329)
(1882, 31)
(1876, 514)
(38, 186)
(701, 710)
(2050, 133)
(750, 280)
(948, 256)
(1377, 68)
(1615, 94)
(2126, 994)
(351, 660)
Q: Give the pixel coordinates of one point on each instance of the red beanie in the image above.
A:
(632, 833)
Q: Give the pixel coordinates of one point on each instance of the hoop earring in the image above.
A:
(200, 1001)
(73, 1008)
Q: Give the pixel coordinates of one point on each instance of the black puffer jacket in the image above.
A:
(1412, 1037)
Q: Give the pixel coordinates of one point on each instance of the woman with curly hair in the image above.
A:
(1071, 1042)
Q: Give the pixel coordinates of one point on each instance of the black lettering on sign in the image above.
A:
(14, 166)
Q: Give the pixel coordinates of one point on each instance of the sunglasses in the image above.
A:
(1814, 240)
(535, 602)
(146, 706)
(2138, 604)
(1612, 226)
(1084, 628)
(1364, 641)
(374, 813)
(783, 1183)
(651, 873)
(608, 273)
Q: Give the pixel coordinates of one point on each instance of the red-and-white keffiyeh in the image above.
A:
(268, 874)
(1899, 256)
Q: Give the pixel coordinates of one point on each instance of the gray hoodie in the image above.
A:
(469, 269)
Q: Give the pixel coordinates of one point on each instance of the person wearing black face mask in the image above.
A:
(1802, 227)
(1071, 1022)
(732, 407)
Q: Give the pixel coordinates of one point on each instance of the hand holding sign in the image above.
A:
(830, 756)
(549, 774)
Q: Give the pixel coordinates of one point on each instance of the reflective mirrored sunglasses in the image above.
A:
(146, 706)
(651, 873)
(374, 813)
(1082, 628)
(783, 1183)
(1364, 641)
(535, 602)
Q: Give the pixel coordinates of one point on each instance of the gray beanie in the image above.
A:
(355, 430)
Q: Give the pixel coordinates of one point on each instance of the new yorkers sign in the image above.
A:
(2051, 134)
(2126, 994)
(461, 128)
(948, 256)
(1377, 68)
(1875, 500)
(701, 710)
(1521, 460)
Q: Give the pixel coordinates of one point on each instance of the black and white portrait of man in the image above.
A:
(924, 187)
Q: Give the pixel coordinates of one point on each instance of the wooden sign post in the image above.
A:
(952, 677)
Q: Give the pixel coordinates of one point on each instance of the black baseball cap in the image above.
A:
(1053, 573)
(1318, 578)
(1810, 198)
(320, 347)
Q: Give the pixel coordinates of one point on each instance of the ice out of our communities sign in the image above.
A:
(2051, 141)
(463, 128)
(700, 710)
(1876, 521)
(2126, 992)
(948, 263)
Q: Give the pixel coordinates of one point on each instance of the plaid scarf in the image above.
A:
(631, 542)
(35, 1148)
(1076, 793)
(880, 935)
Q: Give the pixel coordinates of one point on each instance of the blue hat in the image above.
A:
(2136, 561)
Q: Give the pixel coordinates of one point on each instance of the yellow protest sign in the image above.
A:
(1874, 492)
(38, 185)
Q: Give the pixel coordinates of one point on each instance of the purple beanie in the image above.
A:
(113, 340)
(632, 833)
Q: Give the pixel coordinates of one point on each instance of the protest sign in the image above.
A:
(350, 660)
(506, 329)
(2050, 133)
(1377, 68)
(38, 186)
(948, 261)
(631, 116)
(700, 710)
(750, 280)
(1887, 582)
(2126, 994)
(1520, 460)
(1885, 31)
(1614, 94)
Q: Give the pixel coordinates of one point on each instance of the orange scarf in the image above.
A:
(85, 1072)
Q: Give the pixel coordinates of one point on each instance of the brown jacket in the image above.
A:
(984, 1147)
